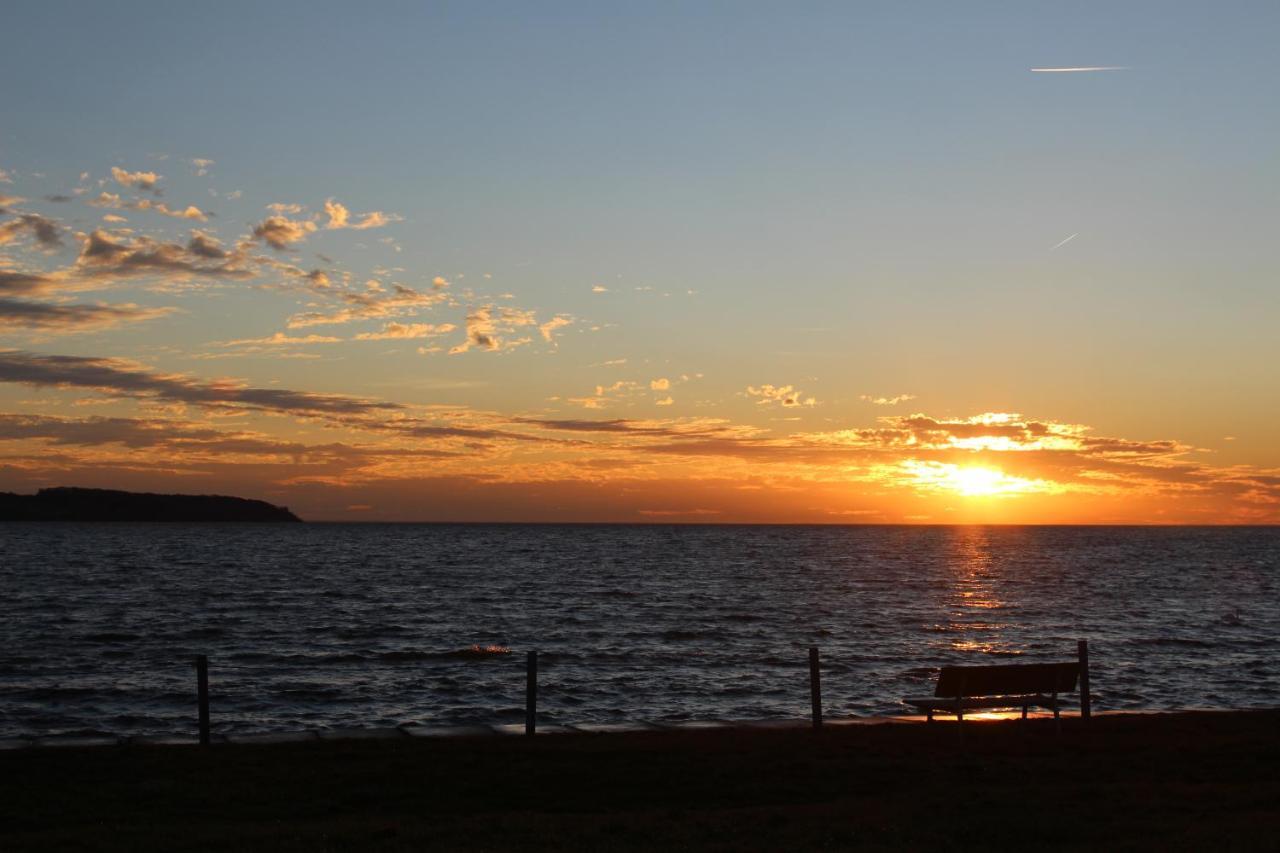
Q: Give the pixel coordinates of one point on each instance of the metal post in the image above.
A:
(815, 688)
(202, 692)
(531, 694)
(1086, 701)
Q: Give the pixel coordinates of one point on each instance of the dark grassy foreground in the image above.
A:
(1189, 781)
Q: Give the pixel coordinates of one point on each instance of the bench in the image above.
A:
(973, 688)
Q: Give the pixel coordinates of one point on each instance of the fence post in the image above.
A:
(815, 688)
(202, 693)
(1086, 701)
(531, 694)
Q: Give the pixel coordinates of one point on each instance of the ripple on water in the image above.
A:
(332, 625)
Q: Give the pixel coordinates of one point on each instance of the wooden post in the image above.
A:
(1086, 701)
(202, 694)
(815, 688)
(531, 694)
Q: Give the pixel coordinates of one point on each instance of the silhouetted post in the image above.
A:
(531, 694)
(202, 691)
(1086, 701)
(815, 688)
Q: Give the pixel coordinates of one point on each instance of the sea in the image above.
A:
(316, 626)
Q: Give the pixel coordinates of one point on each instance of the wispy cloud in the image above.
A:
(129, 379)
(145, 181)
(280, 339)
(365, 306)
(66, 319)
(886, 401)
(1080, 68)
(44, 230)
(406, 331)
(487, 327)
(340, 217)
(1064, 242)
(785, 395)
(281, 232)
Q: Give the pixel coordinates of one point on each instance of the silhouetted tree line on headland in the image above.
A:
(72, 504)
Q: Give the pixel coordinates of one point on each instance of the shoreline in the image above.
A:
(1179, 780)
(98, 740)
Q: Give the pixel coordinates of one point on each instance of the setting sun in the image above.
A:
(973, 480)
(983, 481)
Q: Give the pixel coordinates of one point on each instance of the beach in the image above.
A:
(1192, 780)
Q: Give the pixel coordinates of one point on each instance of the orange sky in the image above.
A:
(610, 264)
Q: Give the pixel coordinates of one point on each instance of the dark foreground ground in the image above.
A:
(1188, 781)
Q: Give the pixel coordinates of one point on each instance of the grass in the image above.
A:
(1181, 781)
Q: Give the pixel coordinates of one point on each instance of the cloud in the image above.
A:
(280, 232)
(338, 214)
(202, 164)
(189, 212)
(181, 437)
(23, 284)
(887, 401)
(660, 384)
(203, 245)
(486, 326)
(665, 401)
(106, 199)
(685, 429)
(129, 379)
(340, 217)
(785, 395)
(402, 331)
(599, 288)
(480, 331)
(1080, 68)
(374, 219)
(280, 339)
(184, 445)
(5, 177)
(675, 513)
(7, 201)
(367, 306)
(43, 230)
(145, 181)
(548, 328)
(112, 201)
(45, 317)
(104, 256)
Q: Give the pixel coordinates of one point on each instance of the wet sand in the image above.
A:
(1140, 782)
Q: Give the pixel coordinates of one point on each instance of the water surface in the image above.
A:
(327, 625)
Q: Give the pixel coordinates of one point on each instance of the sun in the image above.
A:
(972, 481)
(978, 482)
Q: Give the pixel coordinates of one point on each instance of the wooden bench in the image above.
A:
(974, 688)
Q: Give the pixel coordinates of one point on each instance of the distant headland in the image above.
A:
(74, 504)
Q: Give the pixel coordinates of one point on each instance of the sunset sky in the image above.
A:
(717, 262)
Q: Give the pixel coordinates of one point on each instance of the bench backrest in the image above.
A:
(1007, 680)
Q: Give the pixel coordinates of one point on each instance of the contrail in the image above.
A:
(1065, 242)
(1081, 68)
